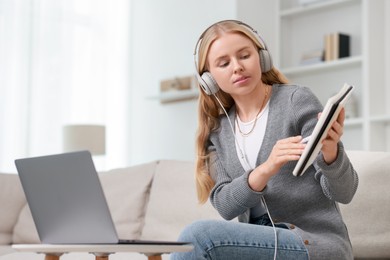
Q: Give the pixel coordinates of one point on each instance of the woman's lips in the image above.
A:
(240, 80)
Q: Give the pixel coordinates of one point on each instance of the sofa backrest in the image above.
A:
(173, 201)
(12, 201)
(367, 216)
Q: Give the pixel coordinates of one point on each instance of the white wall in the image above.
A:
(163, 38)
(261, 15)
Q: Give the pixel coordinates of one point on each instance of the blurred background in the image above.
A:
(101, 63)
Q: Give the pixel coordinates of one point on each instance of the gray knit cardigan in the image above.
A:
(307, 204)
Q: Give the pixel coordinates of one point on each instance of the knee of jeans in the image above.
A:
(196, 231)
(199, 234)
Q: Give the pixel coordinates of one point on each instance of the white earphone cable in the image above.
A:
(246, 161)
(273, 225)
(235, 138)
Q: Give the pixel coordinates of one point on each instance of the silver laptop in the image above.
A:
(67, 201)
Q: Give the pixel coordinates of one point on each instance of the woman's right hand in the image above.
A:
(285, 150)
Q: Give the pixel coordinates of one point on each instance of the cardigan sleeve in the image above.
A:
(230, 197)
(339, 180)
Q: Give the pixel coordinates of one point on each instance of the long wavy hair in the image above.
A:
(209, 109)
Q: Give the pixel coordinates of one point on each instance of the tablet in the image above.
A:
(329, 115)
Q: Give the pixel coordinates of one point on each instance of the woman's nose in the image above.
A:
(237, 66)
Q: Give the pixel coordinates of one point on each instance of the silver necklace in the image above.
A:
(257, 116)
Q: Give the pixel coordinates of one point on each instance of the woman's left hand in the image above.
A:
(329, 144)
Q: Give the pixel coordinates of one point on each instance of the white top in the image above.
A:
(250, 144)
(250, 147)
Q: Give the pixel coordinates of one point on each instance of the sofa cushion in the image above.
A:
(126, 191)
(11, 203)
(366, 216)
(173, 202)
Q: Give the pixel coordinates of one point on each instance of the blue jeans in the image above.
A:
(219, 239)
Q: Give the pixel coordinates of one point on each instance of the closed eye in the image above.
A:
(223, 64)
(245, 56)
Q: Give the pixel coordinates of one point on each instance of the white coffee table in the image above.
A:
(102, 251)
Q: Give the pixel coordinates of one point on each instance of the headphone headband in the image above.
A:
(255, 33)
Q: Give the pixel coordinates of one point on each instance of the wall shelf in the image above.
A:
(349, 122)
(176, 96)
(380, 119)
(310, 8)
(324, 66)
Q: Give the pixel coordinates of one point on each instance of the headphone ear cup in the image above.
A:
(265, 60)
(209, 85)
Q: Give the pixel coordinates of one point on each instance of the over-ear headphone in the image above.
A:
(206, 80)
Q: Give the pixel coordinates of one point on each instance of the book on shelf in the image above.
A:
(336, 46)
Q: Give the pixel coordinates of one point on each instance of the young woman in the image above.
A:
(251, 124)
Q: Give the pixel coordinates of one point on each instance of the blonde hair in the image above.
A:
(209, 109)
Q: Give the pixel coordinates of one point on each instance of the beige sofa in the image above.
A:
(156, 200)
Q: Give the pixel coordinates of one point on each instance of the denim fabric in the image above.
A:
(225, 240)
(265, 221)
